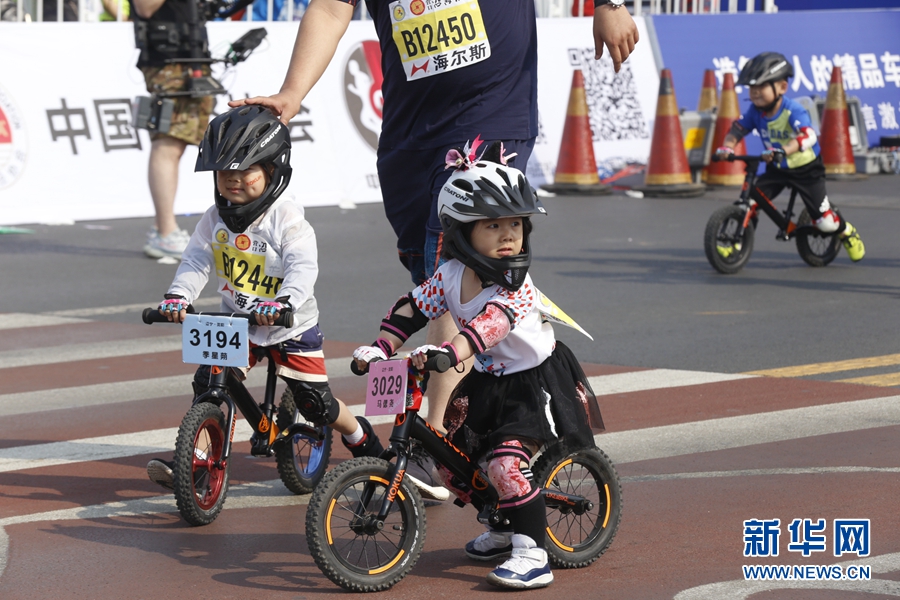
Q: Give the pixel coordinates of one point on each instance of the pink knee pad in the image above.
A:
(505, 473)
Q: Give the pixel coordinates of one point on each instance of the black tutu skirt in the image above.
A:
(546, 404)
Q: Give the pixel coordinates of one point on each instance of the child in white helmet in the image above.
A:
(526, 388)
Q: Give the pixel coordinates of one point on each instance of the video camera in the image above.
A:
(154, 112)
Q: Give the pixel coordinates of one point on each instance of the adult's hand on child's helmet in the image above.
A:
(282, 105)
(174, 308)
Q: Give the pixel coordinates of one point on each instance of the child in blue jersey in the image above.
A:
(792, 148)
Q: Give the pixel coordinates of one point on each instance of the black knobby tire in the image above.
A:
(721, 238)
(816, 249)
(302, 461)
(201, 478)
(574, 540)
(357, 560)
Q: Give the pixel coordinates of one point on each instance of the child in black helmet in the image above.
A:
(792, 149)
(526, 388)
(258, 245)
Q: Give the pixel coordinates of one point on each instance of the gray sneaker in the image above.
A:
(172, 245)
(160, 473)
(419, 470)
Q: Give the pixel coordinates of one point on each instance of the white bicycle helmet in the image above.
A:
(487, 190)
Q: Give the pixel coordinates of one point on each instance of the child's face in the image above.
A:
(242, 187)
(763, 95)
(498, 238)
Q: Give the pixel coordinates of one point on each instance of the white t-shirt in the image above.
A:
(530, 341)
(276, 256)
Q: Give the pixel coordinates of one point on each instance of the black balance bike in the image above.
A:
(728, 240)
(203, 445)
(365, 525)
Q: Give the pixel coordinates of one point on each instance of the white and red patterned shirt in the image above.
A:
(525, 344)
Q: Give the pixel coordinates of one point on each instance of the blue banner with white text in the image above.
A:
(864, 43)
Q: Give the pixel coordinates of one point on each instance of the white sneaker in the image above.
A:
(528, 567)
(172, 245)
(490, 545)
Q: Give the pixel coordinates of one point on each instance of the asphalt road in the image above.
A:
(631, 271)
(770, 394)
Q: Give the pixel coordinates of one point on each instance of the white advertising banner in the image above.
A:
(69, 153)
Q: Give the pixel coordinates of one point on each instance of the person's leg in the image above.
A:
(162, 175)
(521, 501)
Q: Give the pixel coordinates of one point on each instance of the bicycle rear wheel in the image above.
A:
(727, 251)
(302, 462)
(816, 248)
(350, 548)
(576, 540)
(201, 474)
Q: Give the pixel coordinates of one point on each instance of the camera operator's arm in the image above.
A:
(322, 27)
(146, 8)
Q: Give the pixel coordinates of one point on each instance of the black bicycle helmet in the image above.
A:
(487, 190)
(767, 67)
(235, 141)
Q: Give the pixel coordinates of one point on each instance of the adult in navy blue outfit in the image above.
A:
(453, 70)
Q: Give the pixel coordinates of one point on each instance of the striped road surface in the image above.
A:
(85, 403)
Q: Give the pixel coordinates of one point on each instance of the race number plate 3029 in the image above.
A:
(436, 36)
(386, 390)
(207, 340)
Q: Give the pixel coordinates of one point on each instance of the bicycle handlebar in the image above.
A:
(438, 361)
(734, 157)
(152, 315)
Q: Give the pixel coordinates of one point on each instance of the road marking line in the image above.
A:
(22, 320)
(623, 446)
(29, 357)
(121, 308)
(179, 385)
(654, 379)
(749, 430)
(831, 367)
(886, 380)
(756, 473)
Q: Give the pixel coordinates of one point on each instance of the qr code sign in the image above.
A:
(615, 112)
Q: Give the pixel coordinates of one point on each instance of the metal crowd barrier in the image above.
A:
(89, 10)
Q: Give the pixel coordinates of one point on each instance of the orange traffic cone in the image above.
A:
(576, 167)
(668, 173)
(709, 95)
(726, 173)
(837, 152)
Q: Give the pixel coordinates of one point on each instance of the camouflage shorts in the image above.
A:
(190, 115)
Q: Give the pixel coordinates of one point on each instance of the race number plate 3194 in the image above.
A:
(207, 340)
(436, 36)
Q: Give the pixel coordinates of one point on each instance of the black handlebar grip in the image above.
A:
(151, 315)
(439, 361)
(285, 319)
(356, 370)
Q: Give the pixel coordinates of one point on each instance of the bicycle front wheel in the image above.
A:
(201, 473)
(303, 461)
(726, 250)
(576, 537)
(350, 547)
(816, 248)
